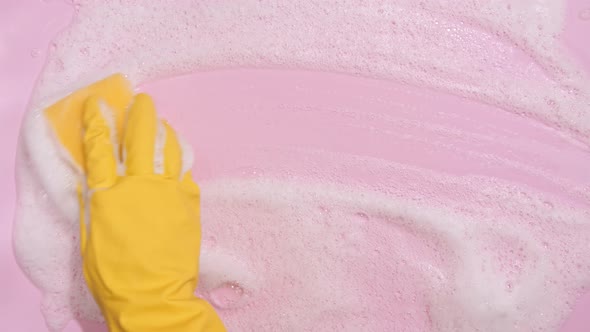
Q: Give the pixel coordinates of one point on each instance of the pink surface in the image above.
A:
(26, 28)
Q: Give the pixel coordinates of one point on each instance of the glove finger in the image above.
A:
(189, 185)
(140, 136)
(172, 154)
(99, 148)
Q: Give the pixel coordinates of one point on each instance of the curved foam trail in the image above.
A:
(465, 48)
(392, 264)
(324, 250)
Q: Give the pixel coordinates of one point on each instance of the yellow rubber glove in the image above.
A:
(140, 232)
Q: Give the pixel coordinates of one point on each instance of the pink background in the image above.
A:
(27, 26)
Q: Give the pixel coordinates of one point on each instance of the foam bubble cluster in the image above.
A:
(419, 250)
(461, 47)
(328, 257)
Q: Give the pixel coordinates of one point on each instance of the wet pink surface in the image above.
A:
(26, 27)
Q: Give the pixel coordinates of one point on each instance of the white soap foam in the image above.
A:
(486, 274)
(325, 257)
(465, 48)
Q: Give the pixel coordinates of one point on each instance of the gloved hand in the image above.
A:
(140, 232)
